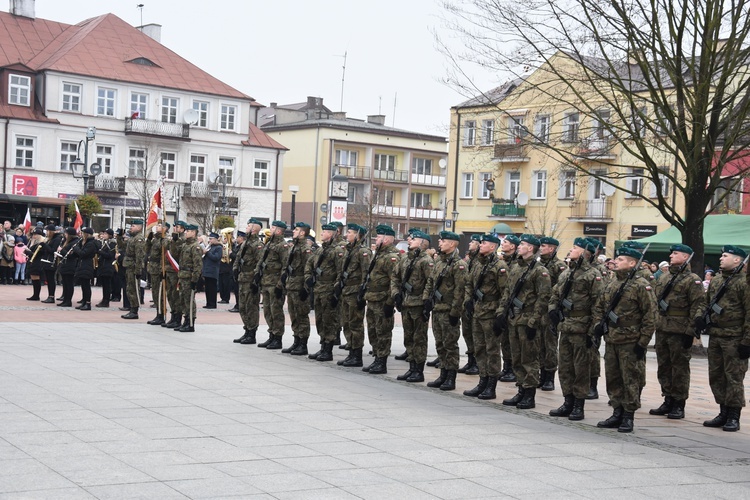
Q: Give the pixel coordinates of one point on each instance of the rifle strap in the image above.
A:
(441, 276)
(410, 269)
(483, 272)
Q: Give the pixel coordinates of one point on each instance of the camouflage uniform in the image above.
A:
(415, 326)
(191, 266)
(511, 261)
(154, 247)
(549, 339)
(380, 327)
(248, 256)
(466, 321)
(299, 308)
(135, 253)
(352, 317)
(450, 303)
(323, 266)
(273, 307)
(173, 294)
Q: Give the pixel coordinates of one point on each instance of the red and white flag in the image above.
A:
(79, 220)
(155, 213)
(27, 222)
(175, 265)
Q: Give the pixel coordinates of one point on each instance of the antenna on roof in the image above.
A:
(380, 104)
(343, 76)
(140, 6)
(395, 98)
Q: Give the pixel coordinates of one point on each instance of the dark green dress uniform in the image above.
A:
(549, 338)
(674, 335)
(470, 368)
(248, 256)
(154, 246)
(174, 247)
(298, 302)
(626, 342)
(446, 286)
(728, 344)
(135, 254)
(273, 305)
(575, 352)
(353, 272)
(411, 293)
(191, 266)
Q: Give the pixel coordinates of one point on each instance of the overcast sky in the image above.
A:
(284, 50)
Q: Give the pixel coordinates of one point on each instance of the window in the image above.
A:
(346, 157)
(71, 97)
(567, 185)
(168, 165)
(539, 188)
(19, 90)
(637, 121)
(385, 162)
(470, 133)
(570, 127)
(197, 168)
(169, 109)
(138, 105)
(422, 166)
(601, 122)
(488, 132)
(104, 157)
(467, 185)
(260, 174)
(542, 128)
(663, 182)
(68, 153)
(484, 193)
(25, 151)
(383, 197)
(202, 108)
(662, 126)
(105, 102)
(228, 117)
(635, 183)
(730, 189)
(137, 163)
(512, 185)
(226, 168)
(351, 194)
(421, 200)
(516, 129)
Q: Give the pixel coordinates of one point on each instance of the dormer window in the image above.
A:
(19, 90)
(143, 62)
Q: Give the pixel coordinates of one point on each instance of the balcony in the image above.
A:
(350, 171)
(106, 184)
(403, 211)
(154, 128)
(591, 211)
(427, 179)
(596, 148)
(391, 175)
(511, 152)
(196, 189)
(508, 210)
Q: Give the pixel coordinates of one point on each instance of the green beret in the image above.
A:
(512, 238)
(548, 240)
(491, 238)
(585, 244)
(180, 223)
(596, 243)
(279, 223)
(411, 230)
(329, 227)
(253, 220)
(337, 224)
(476, 237)
(449, 235)
(302, 224)
(136, 221)
(419, 234)
(634, 245)
(191, 227)
(629, 252)
(385, 230)
(167, 225)
(356, 227)
(530, 239)
(681, 248)
(734, 250)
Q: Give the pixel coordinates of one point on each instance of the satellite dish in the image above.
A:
(95, 169)
(212, 177)
(190, 117)
(443, 163)
(608, 189)
(522, 199)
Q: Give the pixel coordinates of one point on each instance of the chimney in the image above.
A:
(23, 8)
(273, 105)
(314, 102)
(339, 115)
(376, 119)
(151, 30)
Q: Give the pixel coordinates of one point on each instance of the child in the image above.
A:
(20, 258)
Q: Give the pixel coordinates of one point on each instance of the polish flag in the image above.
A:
(27, 222)
(155, 214)
(79, 220)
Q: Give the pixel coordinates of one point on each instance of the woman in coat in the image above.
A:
(85, 251)
(34, 252)
(67, 266)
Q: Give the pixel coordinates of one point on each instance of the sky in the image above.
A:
(285, 50)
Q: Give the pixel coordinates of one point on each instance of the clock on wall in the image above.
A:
(339, 188)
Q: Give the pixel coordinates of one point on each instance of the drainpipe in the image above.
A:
(458, 149)
(276, 189)
(5, 157)
(315, 182)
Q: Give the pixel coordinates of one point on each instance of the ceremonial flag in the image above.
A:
(155, 213)
(79, 220)
(172, 261)
(27, 222)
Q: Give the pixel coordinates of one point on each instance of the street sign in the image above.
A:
(324, 208)
(324, 219)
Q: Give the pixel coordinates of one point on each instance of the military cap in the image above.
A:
(279, 223)
(181, 223)
(491, 238)
(337, 224)
(734, 250)
(253, 220)
(530, 239)
(51, 227)
(40, 223)
(548, 240)
(136, 222)
(241, 234)
(87, 230)
(681, 248)
(411, 230)
(329, 227)
(110, 231)
(39, 230)
(167, 225)
(449, 235)
(357, 228)
(513, 239)
(302, 224)
(629, 252)
(585, 244)
(385, 230)
(596, 243)
(476, 237)
(213, 235)
(634, 244)
(191, 227)
(71, 231)
(420, 234)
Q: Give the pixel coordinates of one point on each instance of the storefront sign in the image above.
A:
(107, 201)
(338, 211)
(642, 231)
(595, 229)
(24, 185)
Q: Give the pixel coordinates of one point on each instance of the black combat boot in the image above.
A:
(614, 421)
(542, 378)
(367, 368)
(450, 381)
(175, 322)
(476, 391)
(380, 366)
(338, 339)
(577, 413)
(733, 419)
(565, 409)
(719, 420)
(515, 399)
(402, 356)
(593, 391)
(86, 306)
(529, 399)
(265, 344)
(301, 349)
(549, 383)
(418, 374)
(470, 368)
(133, 314)
(356, 359)
(412, 368)
(489, 390)
(237, 340)
(438, 381)
(462, 369)
(37, 289)
(188, 327)
(345, 360)
(185, 324)
(664, 408)
(275, 343)
(678, 410)
(507, 374)
(344, 347)
(316, 354)
(627, 422)
(250, 338)
(435, 363)
(157, 321)
(326, 352)
(291, 347)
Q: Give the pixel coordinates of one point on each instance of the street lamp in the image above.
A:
(294, 190)
(86, 171)
(454, 215)
(176, 202)
(215, 178)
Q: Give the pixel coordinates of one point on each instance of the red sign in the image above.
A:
(24, 185)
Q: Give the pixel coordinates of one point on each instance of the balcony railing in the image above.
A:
(195, 189)
(430, 180)
(107, 184)
(508, 210)
(156, 128)
(596, 147)
(391, 175)
(511, 152)
(413, 213)
(591, 209)
(353, 172)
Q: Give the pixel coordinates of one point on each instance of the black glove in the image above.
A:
(554, 317)
(138, 276)
(589, 342)
(150, 236)
(530, 333)
(278, 292)
(236, 274)
(499, 325)
(193, 285)
(744, 351)
(599, 330)
(254, 288)
(427, 306)
(388, 310)
(469, 307)
(304, 294)
(310, 282)
(334, 300)
(398, 300)
(700, 324)
(687, 341)
(640, 352)
(361, 303)
(175, 236)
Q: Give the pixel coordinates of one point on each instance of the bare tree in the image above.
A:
(546, 221)
(143, 174)
(671, 73)
(201, 208)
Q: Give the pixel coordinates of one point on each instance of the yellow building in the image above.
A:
(504, 136)
(339, 168)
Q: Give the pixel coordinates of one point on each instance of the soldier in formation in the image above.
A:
(549, 340)
(191, 265)
(156, 243)
(266, 279)
(470, 368)
(243, 270)
(292, 284)
(174, 247)
(135, 253)
(509, 248)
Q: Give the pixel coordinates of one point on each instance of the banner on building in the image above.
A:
(338, 211)
(24, 185)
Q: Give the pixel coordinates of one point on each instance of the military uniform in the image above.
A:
(321, 272)
(595, 366)
(470, 368)
(135, 253)
(674, 336)
(274, 258)
(298, 303)
(154, 246)
(507, 375)
(549, 338)
(353, 272)
(174, 247)
(248, 256)
(191, 265)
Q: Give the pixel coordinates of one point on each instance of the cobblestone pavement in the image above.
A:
(97, 407)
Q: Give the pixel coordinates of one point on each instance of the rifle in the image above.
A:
(714, 307)
(288, 270)
(477, 295)
(317, 271)
(663, 304)
(363, 288)
(339, 288)
(557, 315)
(406, 287)
(435, 294)
(258, 276)
(610, 315)
(513, 300)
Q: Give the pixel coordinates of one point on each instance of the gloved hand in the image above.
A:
(589, 342)
(530, 333)
(700, 324)
(361, 304)
(398, 300)
(150, 236)
(278, 292)
(388, 311)
(427, 305)
(309, 282)
(254, 288)
(175, 236)
(304, 294)
(453, 320)
(469, 307)
(640, 352)
(554, 317)
(687, 341)
(138, 276)
(499, 325)
(236, 274)
(599, 330)
(334, 300)
(744, 351)
(193, 285)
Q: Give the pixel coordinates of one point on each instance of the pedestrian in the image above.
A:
(7, 256)
(135, 254)
(236, 245)
(292, 284)
(267, 275)
(212, 254)
(248, 255)
(155, 243)
(19, 255)
(49, 261)
(509, 247)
